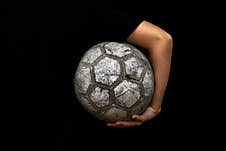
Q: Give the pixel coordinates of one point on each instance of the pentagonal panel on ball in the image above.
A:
(127, 93)
(107, 71)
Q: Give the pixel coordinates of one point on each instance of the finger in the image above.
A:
(128, 123)
(138, 118)
(115, 125)
(111, 124)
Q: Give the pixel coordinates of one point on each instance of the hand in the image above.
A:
(138, 120)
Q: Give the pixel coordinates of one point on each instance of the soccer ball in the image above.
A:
(113, 81)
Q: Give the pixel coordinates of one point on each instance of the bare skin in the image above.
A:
(159, 45)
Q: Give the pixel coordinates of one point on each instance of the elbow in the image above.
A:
(164, 37)
(150, 37)
(162, 42)
(169, 39)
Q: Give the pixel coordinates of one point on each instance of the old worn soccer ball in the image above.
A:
(113, 81)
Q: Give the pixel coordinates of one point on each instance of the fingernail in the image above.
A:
(118, 123)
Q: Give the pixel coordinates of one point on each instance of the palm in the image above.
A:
(137, 119)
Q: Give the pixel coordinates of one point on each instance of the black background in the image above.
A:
(190, 107)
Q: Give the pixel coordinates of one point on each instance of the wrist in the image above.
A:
(155, 110)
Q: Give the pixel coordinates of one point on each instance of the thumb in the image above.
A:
(139, 118)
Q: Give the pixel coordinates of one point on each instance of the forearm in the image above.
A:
(159, 44)
(160, 56)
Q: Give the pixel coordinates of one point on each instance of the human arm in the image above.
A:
(159, 45)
